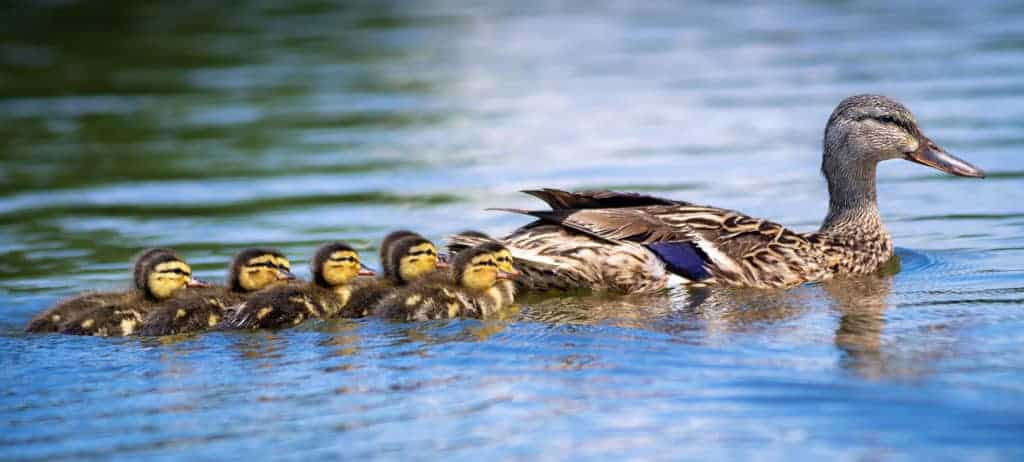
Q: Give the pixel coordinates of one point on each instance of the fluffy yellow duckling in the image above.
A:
(159, 275)
(505, 288)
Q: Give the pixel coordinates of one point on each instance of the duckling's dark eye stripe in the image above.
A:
(487, 263)
(177, 271)
(344, 259)
(265, 264)
(422, 252)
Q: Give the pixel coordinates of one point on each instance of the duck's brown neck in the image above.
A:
(853, 208)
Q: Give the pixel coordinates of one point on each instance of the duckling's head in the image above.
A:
(253, 269)
(505, 262)
(159, 273)
(478, 268)
(411, 258)
(387, 245)
(335, 264)
(867, 129)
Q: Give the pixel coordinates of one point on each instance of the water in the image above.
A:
(210, 128)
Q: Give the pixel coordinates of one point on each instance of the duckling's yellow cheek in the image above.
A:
(415, 267)
(163, 286)
(426, 265)
(337, 275)
(479, 278)
(256, 279)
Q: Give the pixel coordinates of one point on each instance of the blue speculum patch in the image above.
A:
(682, 258)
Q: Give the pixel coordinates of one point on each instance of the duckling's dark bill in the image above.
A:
(931, 155)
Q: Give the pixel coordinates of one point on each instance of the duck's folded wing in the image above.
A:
(637, 224)
(687, 238)
(558, 199)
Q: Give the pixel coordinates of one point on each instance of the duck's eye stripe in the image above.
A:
(178, 271)
(344, 259)
(422, 252)
(487, 263)
(264, 264)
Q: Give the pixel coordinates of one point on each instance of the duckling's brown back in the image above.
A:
(286, 306)
(422, 302)
(196, 310)
(108, 316)
(51, 320)
(366, 294)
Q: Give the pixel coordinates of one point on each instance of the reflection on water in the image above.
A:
(209, 126)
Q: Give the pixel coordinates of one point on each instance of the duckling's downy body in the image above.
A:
(159, 276)
(467, 290)
(250, 270)
(635, 243)
(405, 257)
(333, 266)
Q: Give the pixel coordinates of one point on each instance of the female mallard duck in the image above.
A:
(159, 275)
(333, 267)
(404, 259)
(636, 243)
(466, 291)
(250, 270)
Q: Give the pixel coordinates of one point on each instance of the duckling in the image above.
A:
(159, 274)
(505, 289)
(387, 245)
(466, 292)
(403, 260)
(333, 266)
(250, 270)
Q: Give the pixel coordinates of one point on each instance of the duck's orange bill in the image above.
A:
(930, 154)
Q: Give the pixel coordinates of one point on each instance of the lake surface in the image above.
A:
(210, 128)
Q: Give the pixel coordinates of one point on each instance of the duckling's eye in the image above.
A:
(177, 271)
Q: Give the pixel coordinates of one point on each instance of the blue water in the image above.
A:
(209, 128)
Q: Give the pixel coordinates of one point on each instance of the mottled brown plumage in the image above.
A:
(636, 243)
